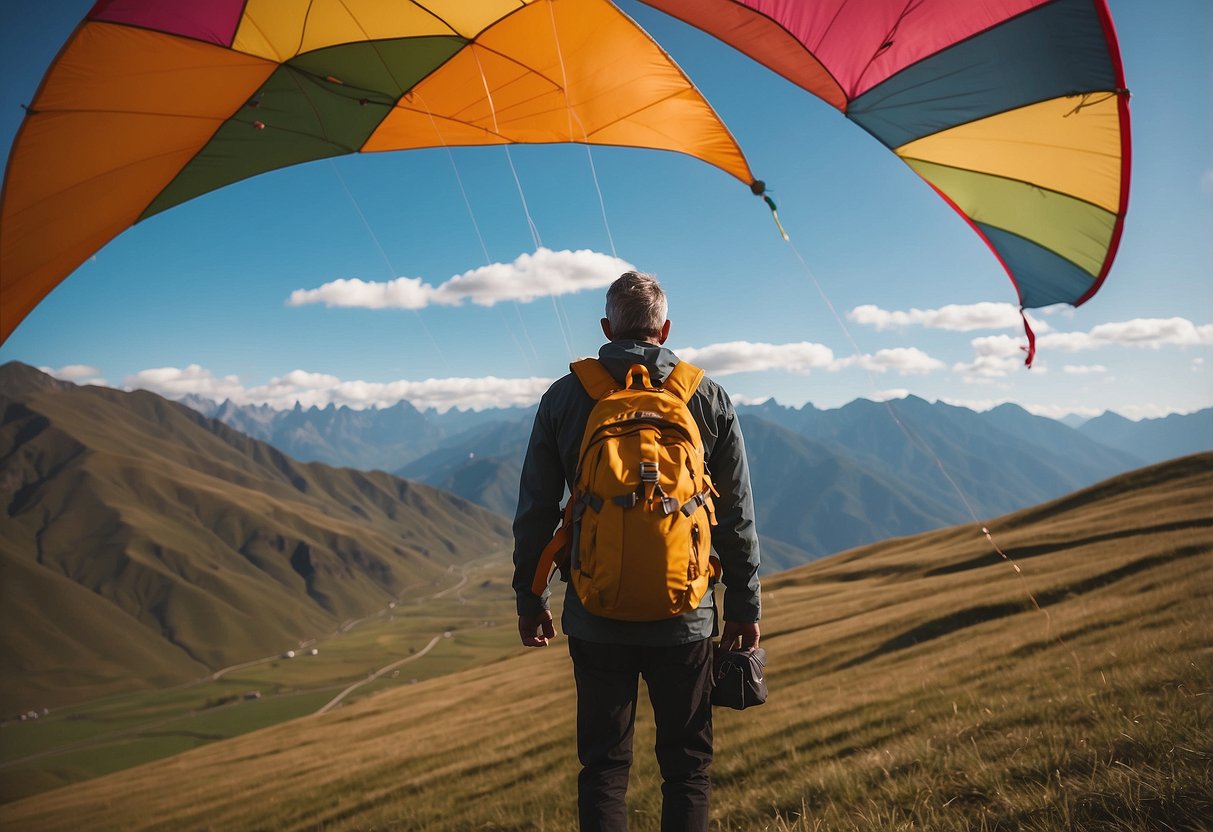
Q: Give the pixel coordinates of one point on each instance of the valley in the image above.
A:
(464, 619)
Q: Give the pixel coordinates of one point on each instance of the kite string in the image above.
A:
(484, 249)
(571, 114)
(858, 353)
(924, 446)
(488, 94)
(533, 356)
(391, 269)
(601, 203)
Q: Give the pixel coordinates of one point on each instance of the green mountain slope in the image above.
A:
(482, 464)
(818, 500)
(920, 683)
(1154, 439)
(143, 544)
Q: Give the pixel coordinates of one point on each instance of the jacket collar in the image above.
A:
(618, 356)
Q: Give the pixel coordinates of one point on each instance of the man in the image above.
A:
(674, 655)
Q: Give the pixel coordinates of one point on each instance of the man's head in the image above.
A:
(636, 309)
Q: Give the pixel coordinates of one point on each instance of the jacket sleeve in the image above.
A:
(735, 536)
(539, 491)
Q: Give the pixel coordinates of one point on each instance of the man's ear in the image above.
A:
(606, 329)
(665, 332)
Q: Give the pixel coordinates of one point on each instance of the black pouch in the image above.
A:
(738, 677)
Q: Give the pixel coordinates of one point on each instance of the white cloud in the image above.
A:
(1063, 309)
(741, 398)
(77, 373)
(174, 382)
(401, 293)
(1051, 411)
(1083, 369)
(1060, 411)
(1139, 332)
(954, 317)
(904, 360)
(530, 276)
(889, 395)
(801, 357)
(985, 368)
(995, 356)
(746, 357)
(1137, 412)
(320, 390)
(978, 405)
(1197, 364)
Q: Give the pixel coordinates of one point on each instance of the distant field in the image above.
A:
(924, 683)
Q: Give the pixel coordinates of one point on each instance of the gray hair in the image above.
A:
(636, 306)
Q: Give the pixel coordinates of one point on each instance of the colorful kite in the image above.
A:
(151, 104)
(1015, 112)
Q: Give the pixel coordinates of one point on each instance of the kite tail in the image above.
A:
(775, 216)
(1030, 349)
(759, 188)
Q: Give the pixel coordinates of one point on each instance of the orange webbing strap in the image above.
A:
(556, 553)
(638, 371)
(683, 380)
(594, 377)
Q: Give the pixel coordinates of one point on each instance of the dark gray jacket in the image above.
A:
(551, 466)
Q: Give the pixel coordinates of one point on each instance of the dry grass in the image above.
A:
(914, 686)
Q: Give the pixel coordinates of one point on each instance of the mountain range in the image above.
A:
(169, 545)
(174, 545)
(824, 480)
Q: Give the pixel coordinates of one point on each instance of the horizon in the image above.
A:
(421, 406)
(353, 279)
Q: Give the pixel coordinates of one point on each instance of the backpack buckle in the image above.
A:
(648, 472)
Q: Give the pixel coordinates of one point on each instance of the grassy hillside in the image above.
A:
(924, 683)
(143, 545)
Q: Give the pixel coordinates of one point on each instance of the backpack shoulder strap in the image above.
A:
(683, 380)
(595, 378)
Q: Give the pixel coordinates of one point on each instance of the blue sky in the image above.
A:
(198, 299)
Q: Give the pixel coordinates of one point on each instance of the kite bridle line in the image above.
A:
(925, 447)
(561, 321)
(571, 114)
(463, 191)
(533, 355)
(393, 274)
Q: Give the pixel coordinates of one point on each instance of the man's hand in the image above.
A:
(535, 630)
(733, 631)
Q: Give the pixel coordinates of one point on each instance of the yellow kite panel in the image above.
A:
(1056, 144)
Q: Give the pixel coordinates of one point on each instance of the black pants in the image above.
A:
(679, 680)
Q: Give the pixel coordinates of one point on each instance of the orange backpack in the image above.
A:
(635, 540)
